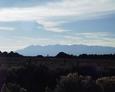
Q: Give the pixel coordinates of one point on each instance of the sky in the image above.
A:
(48, 22)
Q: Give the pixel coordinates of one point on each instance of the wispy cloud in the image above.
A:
(52, 26)
(95, 35)
(20, 42)
(65, 10)
(91, 38)
(7, 29)
(52, 17)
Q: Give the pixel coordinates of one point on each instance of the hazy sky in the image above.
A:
(46, 22)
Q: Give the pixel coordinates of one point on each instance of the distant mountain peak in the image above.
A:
(53, 50)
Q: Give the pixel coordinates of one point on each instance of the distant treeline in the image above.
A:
(10, 54)
(62, 55)
(86, 56)
(93, 56)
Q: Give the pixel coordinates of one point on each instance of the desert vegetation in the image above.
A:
(62, 73)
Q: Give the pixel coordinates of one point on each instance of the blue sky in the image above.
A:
(47, 22)
(23, 3)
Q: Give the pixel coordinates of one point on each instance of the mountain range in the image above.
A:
(53, 50)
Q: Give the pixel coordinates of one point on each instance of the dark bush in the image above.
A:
(75, 83)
